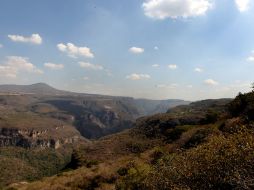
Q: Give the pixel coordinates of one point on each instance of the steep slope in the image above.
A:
(143, 106)
(40, 126)
(93, 115)
(189, 138)
(33, 145)
(96, 117)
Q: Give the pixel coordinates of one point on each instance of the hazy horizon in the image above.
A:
(154, 49)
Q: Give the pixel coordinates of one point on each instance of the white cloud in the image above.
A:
(156, 48)
(251, 57)
(34, 39)
(15, 65)
(199, 70)
(1, 46)
(161, 86)
(162, 9)
(38, 71)
(155, 65)
(242, 5)
(7, 71)
(211, 82)
(75, 51)
(172, 66)
(136, 50)
(167, 85)
(90, 66)
(54, 66)
(136, 76)
(85, 78)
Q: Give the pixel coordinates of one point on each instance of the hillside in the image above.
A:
(93, 116)
(206, 145)
(143, 106)
(40, 126)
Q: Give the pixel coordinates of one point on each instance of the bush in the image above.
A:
(79, 160)
(174, 134)
(122, 171)
(198, 138)
(237, 106)
(210, 117)
(135, 178)
(157, 155)
(222, 163)
(137, 147)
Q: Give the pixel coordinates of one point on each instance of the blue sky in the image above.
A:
(157, 49)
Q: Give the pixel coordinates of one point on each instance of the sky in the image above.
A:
(156, 49)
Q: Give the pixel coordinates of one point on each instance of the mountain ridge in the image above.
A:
(31, 88)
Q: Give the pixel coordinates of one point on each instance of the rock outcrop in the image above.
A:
(29, 138)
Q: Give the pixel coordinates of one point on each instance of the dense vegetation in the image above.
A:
(19, 164)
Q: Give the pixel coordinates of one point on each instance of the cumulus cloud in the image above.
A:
(136, 50)
(33, 39)
(211, 82)
(199, 70)
(54, 66)
(162, 9)
(155, 65)
(242, 5)
(136, 76)
(75, 51)
(172, 66)
(14, 65)
(91, 66)
(251, 57)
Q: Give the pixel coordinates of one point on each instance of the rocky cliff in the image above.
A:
(30, 138)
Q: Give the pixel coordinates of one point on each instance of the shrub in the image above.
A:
(222, 163)
(174, 134)
(198, 138)
(122, 171)
(237, 106)
(79, 160)
(156, 155)
(210, 117)
(135, 178)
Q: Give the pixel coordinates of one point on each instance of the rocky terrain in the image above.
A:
(206, 145)
(41, 126)
(173, 150)
(93, 116)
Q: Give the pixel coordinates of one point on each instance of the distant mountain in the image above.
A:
(94, 115)
(38, 88)
(150, 107)
(144, 106)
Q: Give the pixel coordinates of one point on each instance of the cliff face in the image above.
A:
(31, 138)
(96, 125)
